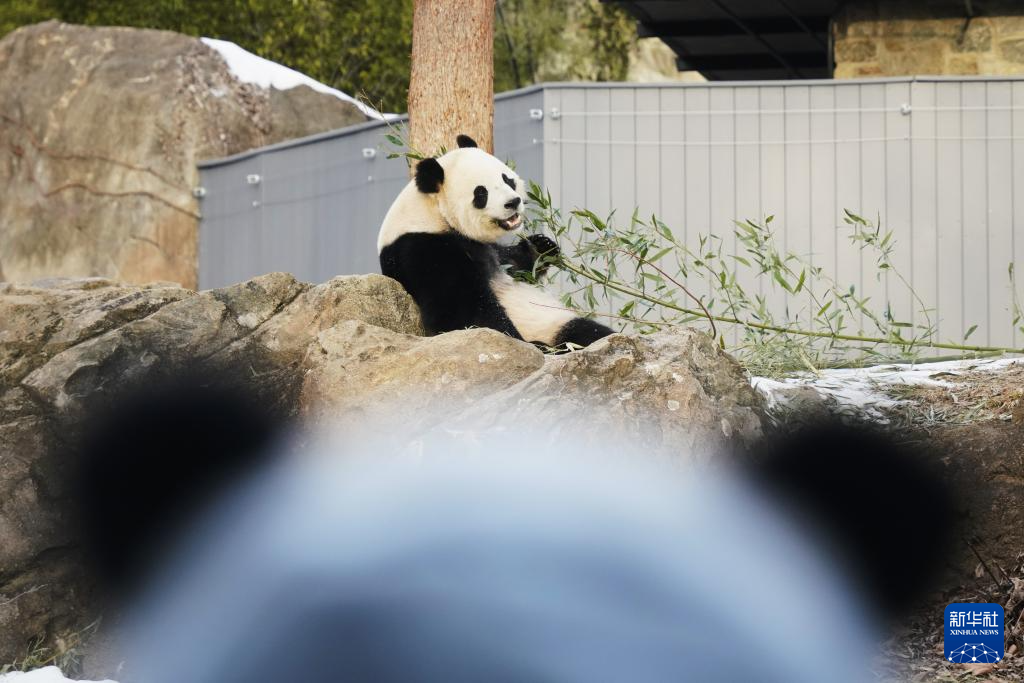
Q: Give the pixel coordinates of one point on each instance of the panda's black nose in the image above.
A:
(514, 204)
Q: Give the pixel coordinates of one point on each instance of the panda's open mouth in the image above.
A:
(510, 223)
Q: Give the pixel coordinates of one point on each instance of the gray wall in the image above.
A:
(319, 202)
(945, 174)
(947, 177)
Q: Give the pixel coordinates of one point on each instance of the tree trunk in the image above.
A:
(451, 90)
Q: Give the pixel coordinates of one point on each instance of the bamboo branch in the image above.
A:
(707, 313)
(617, 286)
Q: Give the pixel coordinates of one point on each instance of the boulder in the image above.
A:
(350, 351)
(673, 393)
(100, 132)
(395, 385)
(65, 345)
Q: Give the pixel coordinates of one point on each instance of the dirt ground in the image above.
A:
(976, 426)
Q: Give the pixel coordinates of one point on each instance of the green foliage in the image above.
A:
(608, 34)
(560, 40)
(15, 13)
(359, 47)
(364, 48)
(644, 278)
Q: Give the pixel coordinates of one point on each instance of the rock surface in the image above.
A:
(364, 376)
(350, 350)
(65, 345)
(673, 394)
(100, 132)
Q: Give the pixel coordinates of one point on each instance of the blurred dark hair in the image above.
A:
(153, 456)
(880, 502)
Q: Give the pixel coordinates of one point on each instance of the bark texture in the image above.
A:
(451, 90)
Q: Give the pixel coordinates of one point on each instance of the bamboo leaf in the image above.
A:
(781, 280)
(660, 254)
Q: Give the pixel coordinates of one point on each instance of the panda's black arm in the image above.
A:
(524, 254)
(519, 255)
(449, 277)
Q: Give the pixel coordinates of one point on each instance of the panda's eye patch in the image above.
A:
(480, 197)
(508, 181)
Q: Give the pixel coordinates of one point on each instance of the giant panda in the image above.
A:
(439, 240)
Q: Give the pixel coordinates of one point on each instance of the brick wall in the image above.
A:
(918, 37)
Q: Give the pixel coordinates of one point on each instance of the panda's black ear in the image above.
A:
(465, 141)
(429, 176)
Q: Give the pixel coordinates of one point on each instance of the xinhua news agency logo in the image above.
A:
(974, 633)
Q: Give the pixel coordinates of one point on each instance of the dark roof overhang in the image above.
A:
(742, 39)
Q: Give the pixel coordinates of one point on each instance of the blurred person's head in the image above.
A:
(471, 557)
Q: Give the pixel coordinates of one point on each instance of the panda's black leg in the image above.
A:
(469, 304)
(582, 332)
(491, 314)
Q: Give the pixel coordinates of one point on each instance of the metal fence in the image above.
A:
(939, 160)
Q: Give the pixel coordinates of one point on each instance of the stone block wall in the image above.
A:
(918, 37)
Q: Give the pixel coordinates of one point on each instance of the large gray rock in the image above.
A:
(673, 393)
(66, 345)
(100, 132)
(350, 351)
(396, 386)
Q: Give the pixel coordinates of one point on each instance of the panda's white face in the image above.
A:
(480, 197)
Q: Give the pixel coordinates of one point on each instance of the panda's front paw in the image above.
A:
(544, 245)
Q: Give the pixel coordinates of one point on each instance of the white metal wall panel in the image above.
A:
(746, 187)
(948, 296)
(999, 204)
(796, 209)
(937, 160)
(696, 190)
(924, 216)
(1017, 178)
(975, 214)
(896, 211)
(722, 169)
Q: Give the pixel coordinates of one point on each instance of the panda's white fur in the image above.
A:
(464, 170)
(413, 211)
(537, 316)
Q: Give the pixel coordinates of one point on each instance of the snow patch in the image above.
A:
(48, 674)
(863, 389)
(250, 68)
